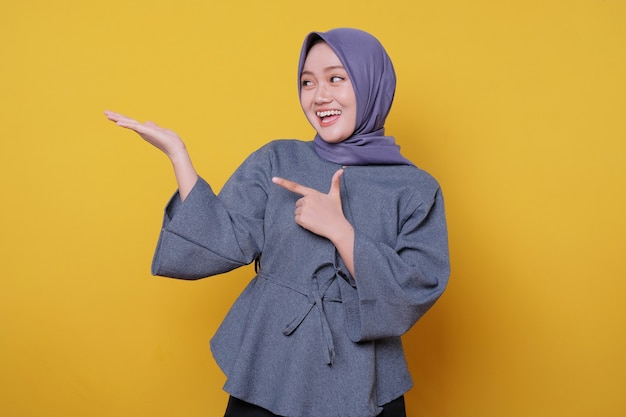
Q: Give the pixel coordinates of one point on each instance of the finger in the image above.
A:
(301, 202)
(335, 183)
(116, 116)
(113, 116)
(109, 113)
(292, 186)
(120, 119)
(130, 124)
(147, 128)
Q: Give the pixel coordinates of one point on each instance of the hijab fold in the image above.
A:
(374, 82)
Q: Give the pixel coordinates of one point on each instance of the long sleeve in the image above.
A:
(299, 310)
(207, 234)
(395, 286)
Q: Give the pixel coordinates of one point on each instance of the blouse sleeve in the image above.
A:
(395, 286)
(207, 234)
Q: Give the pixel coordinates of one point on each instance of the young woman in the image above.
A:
(348, 237)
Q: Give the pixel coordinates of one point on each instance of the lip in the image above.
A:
(328, 120)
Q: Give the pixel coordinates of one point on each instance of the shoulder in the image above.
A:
(285, 153)
(279, 147)
(410, 189)
(286, 146)
(420, 177)
(403, 177)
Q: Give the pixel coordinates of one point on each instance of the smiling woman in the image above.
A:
(343, 225)
(326, 94)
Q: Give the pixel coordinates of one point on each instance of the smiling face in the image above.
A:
(326, 94)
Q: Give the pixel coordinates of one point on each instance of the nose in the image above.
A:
(322, 95)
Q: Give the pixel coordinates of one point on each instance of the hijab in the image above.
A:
(374, 82)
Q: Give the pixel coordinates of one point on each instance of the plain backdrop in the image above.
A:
(517, 108)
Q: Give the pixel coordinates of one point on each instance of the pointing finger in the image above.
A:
(292, 186)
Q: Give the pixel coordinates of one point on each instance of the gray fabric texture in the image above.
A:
(305, 339)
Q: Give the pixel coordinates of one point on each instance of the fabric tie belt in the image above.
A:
(315, 300)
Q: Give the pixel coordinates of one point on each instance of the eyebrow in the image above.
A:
(331, 68)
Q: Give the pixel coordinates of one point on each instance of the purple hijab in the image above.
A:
(374, 81)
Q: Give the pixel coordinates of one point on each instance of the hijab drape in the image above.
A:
(374, 81)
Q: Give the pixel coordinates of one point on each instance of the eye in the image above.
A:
(336, 79)
(307, 83)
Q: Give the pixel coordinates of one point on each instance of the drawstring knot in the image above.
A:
(315, 299)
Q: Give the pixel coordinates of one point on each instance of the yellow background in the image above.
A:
(517, 107)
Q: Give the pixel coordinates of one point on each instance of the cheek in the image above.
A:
(348, 103)
(350, 110)
(305, 100)
(348, 100)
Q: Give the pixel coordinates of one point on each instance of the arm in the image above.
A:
(395, 284)
(206, 235)
(209, 234)
(398, 283)
(169, 143)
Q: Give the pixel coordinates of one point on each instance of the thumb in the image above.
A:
(335, 184)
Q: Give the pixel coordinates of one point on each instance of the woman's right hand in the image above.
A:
(168, 142)
(164, 139)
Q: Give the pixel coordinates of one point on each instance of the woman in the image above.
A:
(349, 240)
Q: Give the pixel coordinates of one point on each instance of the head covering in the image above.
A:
(374, 82)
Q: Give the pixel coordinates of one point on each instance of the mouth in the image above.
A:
(328, 117)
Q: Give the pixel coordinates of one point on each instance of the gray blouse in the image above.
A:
(305, 339)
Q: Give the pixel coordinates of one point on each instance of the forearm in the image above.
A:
(186, 175)
(344, 242)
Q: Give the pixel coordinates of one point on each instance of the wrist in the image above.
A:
(344, 242)
(344, 234)
(179, 155)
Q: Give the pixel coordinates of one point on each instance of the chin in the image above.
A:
(332, 137)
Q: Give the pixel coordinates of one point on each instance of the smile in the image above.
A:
(327, 113)
(328, 117)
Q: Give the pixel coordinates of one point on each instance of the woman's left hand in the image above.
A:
(317, 212)
(323, 215)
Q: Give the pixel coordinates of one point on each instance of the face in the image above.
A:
(326, 95)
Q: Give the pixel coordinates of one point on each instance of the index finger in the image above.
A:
(292, 186)
(120, 119)
(113, 116)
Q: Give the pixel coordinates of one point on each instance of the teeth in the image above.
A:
(328, 113)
